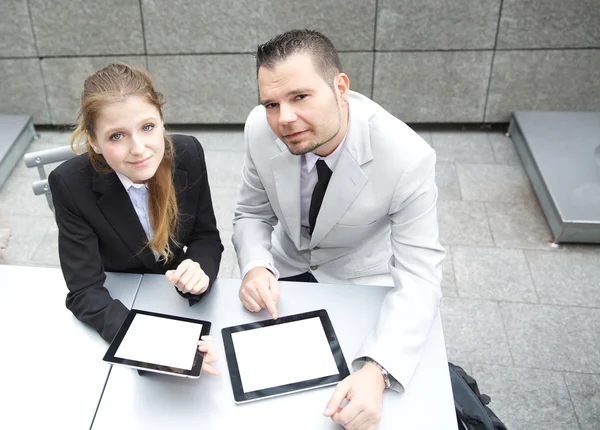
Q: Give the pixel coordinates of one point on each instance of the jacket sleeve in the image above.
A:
(254, 217)
(409, 309)
(82, 267)
(204, 243)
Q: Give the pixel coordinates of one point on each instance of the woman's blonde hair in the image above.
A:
(112, 84)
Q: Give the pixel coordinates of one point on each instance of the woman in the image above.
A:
(134, 201)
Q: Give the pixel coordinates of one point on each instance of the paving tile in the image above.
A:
(447, 181)
(463, 147)
(224, 202)
(467, 367)
(474, 332)
(235, 273)
(27, 234)
(51, 138)
(224, 168)
(492, 273)
(553, 337)
(213, 138)
(17, 198)
(448, 277)
(504, 149)
(423, 131)
(519, 225)
(47, 252)
(585, 395)
(566, 278)
(527, 399)
(228, 259)
(494, 183)
(580, 248)
(463, 223)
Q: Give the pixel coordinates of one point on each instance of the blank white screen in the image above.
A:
(160, 341)
(283, 354)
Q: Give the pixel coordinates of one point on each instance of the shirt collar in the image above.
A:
(331, 160)
(128, 183)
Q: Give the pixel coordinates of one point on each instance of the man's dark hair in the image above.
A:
(325, 57)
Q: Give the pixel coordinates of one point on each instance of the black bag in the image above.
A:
(471, 410)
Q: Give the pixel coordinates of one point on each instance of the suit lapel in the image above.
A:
(348, 178)
(346, 183)
(286, 173)
(115, 205)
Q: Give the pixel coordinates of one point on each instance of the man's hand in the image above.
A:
(364, 392)
(188, 277)
(260, 290)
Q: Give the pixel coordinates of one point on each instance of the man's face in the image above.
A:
(303, 110)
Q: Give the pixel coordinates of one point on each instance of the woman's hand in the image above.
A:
(188, 277)
(210, 355)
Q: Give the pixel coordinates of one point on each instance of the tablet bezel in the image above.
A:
(234, 372)
(194, 372)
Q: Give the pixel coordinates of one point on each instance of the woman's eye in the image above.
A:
(300, 96)
(116, 136)
(271, 105)
(148, 127)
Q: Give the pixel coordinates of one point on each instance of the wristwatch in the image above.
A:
(384, 373)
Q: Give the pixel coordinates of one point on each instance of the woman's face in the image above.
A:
(130, 137)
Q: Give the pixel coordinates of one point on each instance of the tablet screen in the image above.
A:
(283, 354)
(159, 343)
(275, 357)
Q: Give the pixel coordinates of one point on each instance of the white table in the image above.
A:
(160, 401)
(52, 373)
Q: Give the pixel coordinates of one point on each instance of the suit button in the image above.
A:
(314, 267)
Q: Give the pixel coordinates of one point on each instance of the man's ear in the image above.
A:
(342, 84)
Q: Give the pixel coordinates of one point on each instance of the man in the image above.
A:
(337, 190)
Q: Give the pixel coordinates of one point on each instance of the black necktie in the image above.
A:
(324, 174)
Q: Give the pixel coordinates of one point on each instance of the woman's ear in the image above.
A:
(91, 142)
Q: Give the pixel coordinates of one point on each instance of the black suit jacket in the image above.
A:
(99, 230)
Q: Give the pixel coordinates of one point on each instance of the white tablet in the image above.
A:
(159, 343)
(275, 357)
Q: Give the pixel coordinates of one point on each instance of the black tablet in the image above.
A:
(159, 343)
(274, 357)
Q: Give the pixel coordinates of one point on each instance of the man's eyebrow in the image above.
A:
(291, 93)
(298, 91)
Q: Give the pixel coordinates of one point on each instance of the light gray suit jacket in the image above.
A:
(377, 224)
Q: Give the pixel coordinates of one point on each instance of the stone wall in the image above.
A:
(434, 61)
